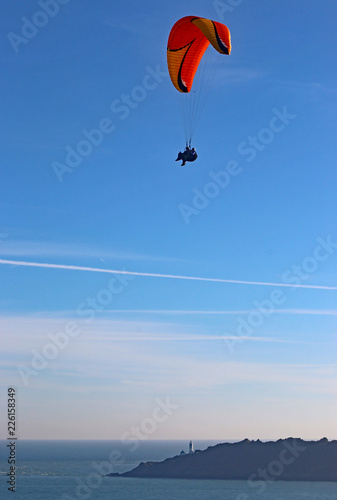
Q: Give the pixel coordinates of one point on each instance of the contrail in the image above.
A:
(154, 275)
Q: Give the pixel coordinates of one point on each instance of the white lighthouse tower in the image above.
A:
(190, 447)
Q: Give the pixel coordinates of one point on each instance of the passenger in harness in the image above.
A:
(188, 155)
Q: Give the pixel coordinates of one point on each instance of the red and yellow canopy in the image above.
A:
(188, 40)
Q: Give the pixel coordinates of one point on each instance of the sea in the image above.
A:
(75, 470)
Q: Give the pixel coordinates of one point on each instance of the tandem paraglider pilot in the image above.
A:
(188, 155)
(187, 43)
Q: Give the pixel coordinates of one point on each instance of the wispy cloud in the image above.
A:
(234, 312)
(44, 249)
(193, 338)
(237, 75)
(21, 333)
(114, 356)
(133, 28)
(157, 275)
(302, 86)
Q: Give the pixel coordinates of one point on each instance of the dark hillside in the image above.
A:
(286, 459)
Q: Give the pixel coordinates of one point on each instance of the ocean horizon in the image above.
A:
(75, 469)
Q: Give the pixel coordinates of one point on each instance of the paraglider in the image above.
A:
(187, 43)
(188, 155)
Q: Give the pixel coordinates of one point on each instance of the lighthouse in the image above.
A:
(190, 447)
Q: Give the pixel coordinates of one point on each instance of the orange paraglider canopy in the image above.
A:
(188, 40)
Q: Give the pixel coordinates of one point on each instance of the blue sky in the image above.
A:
(235, 359)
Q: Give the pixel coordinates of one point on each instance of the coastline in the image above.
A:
(286, 459)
